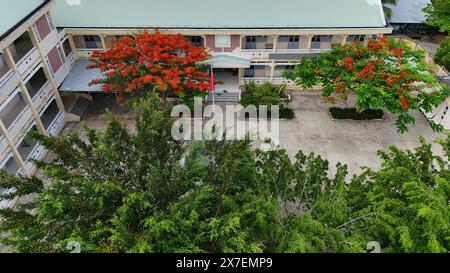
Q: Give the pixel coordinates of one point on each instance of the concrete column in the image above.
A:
(272, 70)
(9, 59)
(17, 158)
(308, 47)
(275, 43)
(29, 101)
(240, 75)
(74, 47)
(102, 38)
(344, 39)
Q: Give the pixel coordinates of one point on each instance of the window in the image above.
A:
(223, 41)
(250, 42)
(195, 40)
(289, 67)
(36, 82)
(318, 39)
(294, 42)
(92, 41)
(294, 39)
(249, 72)
(250, 39)
(67, 48)
(356, 38)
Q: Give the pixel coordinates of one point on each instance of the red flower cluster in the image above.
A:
(404, 103)
(348, 64)
(397, 52)
(168, 62)
(366, 72)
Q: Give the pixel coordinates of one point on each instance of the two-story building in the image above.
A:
(33, 64)
(250, 40)
(45, 44)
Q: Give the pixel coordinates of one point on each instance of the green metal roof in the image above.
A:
(14, 11)
(218, 13)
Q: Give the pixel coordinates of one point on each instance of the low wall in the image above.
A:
(435, 68)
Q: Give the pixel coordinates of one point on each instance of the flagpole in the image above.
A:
(213, 85)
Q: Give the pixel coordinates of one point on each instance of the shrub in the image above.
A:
(267, 94)
(353, 113)
(443, 53)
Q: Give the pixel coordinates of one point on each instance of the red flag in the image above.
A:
(212, 83)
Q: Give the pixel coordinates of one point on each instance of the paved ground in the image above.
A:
(430, 47)
(354, 143)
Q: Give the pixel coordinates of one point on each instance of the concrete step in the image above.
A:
(80, 107)
(222, 96)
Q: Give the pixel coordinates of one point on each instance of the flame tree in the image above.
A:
(384, 74)
(153, 61)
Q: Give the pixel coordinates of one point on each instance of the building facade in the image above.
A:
(33, 64)
(45, 45)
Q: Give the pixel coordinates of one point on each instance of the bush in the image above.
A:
(353, 113)
(267, 94)
(443, 53)
(286, 113)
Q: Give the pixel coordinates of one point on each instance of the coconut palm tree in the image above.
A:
(387, 10)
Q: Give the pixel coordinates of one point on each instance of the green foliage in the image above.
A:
(385, 74)
(141, 191)
(442, 56)
(353, 113)
(267, 94)
(407, 200)
(439, 14)
(387, 10)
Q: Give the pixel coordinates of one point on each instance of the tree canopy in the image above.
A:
(141, 191)
(439, 14)
(442, 56)
(384, 74)
(387, 10)
(153, 61)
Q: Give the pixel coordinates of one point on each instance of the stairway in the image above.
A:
(80, 107)
(223, 97)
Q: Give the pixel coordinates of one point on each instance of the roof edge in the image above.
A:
(23, 20)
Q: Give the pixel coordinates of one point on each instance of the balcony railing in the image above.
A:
(4, 68)
(30, 58)
(5, 76)
(23, 120)
(86, 52)
(8, 84)
(3, 147)
(26, 147)
(9, 165)
(37, 154)
(21, 46)
(56, 124)
(42, 96)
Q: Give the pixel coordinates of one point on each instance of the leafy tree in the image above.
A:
(384, 74)
(442, 56)
(167, 63)
(439, 14)
(406, 203)
(267, 94)
(141, 191)
(387, 10)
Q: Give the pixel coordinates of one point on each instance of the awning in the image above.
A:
(79, 78)
(228, 61)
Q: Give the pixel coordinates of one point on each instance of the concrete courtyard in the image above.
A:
(354, 143)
